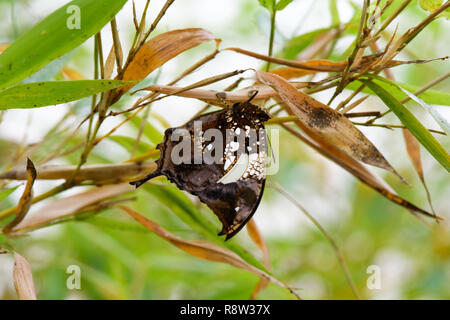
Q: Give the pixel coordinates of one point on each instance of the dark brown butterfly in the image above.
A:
(228, 176)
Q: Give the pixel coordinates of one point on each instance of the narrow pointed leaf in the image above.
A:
(443, 123)
(41, 94)
(54, 36)
(203, 249)
(326, 122)
(160, 49)
(411, 122)
(64, 207)
(23, 278)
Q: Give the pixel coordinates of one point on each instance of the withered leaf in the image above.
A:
(160, 49)
(98, 173)
(23, 279)
(258, 239)
(26, 199)
(64, 207)
(326, 122)
(203, 249)
(357, 169)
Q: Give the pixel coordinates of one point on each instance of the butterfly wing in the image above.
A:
(233, 203)
(232, 188)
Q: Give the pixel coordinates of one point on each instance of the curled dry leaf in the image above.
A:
(26, 199)
(291, 72)
(413, 149)
(326, 122)
(258, 239)
(23, 279)
(160, 49)
(109, 63)
(213, 96)
(96, 173)
(204, 250)
(64, 207)
(312, 65)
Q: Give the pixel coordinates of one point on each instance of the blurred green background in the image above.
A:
(121, 260)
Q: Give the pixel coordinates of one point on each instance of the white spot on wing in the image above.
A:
(237, 171)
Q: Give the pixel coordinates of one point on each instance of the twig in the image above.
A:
(325, 233)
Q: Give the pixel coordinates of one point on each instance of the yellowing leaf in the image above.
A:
(202, 249)
(326, 122)
(65, 207)
(26, 199)
(160, 49)
(258, 239)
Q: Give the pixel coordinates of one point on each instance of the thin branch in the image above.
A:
(333, 243)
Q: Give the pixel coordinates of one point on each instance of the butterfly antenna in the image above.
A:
(140, 182)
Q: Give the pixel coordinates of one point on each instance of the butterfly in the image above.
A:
(226, 173)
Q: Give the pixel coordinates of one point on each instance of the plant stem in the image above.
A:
(272, 35)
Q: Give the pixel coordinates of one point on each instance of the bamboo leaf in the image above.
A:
(6, 192)
(429, 96)
(258, 239)
(282, 4)
(411, 122)
(203, 249)
(23, 278)
(325, 122)
(41, 94)
(97, 172)
(160, 49)
(65, 207)
(26, 199)
(443, 123)
(53, 37)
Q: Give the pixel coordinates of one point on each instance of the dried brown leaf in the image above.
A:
(258, 239)
(160, 49)
(264, 92)
(355, 168)
(23, 278)
(413, 149)
(109, 63)
(326, 122)
(97, 173)
(64, 207)
(311, 65)
(26, 199)
(203, 250)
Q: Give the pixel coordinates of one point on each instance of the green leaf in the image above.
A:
(6, 192)
(443, 123)
(429, 96)
(334, 12)
(129, 142)
(51, 38)
(282, 4)
(413, 125)
(298, 44)
(41, 94)
(430, 5)
(268, 4)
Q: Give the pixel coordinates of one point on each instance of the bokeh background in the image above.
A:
(120, 260)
